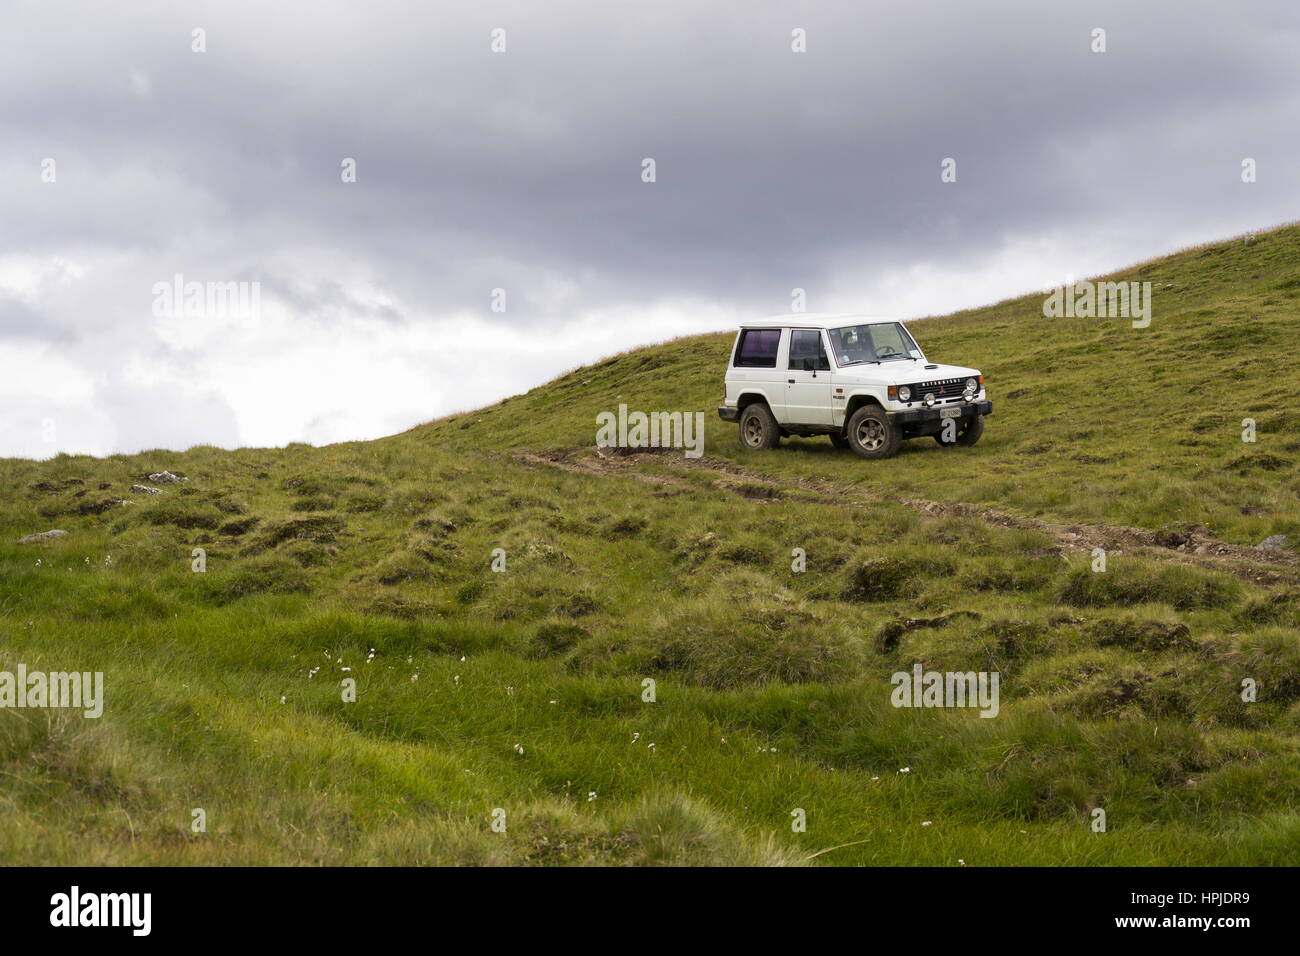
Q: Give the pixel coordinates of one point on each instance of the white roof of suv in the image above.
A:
(814, 320)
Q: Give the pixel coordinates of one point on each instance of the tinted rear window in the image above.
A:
(757, 348)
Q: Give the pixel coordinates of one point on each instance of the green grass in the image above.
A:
(525, 690)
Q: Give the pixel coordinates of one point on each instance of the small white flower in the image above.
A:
(636, 736)
(906, 770)
(925, 823)
(591, 795)
(519, 748)
(962, 862)
(282, 698)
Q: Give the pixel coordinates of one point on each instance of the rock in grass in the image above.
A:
(145, 490)
(1273, 542)
(165, 478)
(42, 536)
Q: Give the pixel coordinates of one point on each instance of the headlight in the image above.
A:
(972, 385)
(904, 394)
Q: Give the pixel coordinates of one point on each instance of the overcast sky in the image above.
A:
(523, 170)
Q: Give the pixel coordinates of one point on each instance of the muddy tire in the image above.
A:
(758, 427)
(872, 434)
(840, 442)
(969, 434)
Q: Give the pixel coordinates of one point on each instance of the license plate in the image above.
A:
(950, 413)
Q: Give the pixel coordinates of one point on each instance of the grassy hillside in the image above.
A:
(523, 690)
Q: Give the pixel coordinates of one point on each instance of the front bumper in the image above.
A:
(969, 410)
(728, 414)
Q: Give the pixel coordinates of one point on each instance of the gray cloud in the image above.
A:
(522, 171)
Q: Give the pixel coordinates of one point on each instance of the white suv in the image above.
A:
(862, 381)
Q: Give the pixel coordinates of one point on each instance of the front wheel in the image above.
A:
(968, 433)
(758, 427)
(872, 434)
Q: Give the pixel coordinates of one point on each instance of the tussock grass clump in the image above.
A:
(401, 568)
(553, 638)
(473, 590)
(358, 503)
(627, 526)
(309, 554)
(82, 506)
(1016, 574)
(694, 548)
(1130, 691)
(180, 513)
(891, 632)
(740, 635)
(755, 553)
(1142, 635)
(55, 750)
(269, 575)
(239, 526)
(663, 828)
(890, 579)
(1282, 607)
(1126, 584)
(1258, 461)
(1270, 657)
(319, 528)
(1057, 767)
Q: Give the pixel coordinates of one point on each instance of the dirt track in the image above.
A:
(1188, 546)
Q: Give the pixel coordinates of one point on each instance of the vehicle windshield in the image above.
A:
(877, 342)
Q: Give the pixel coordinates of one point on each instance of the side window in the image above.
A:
(757, 348)
(806, 351)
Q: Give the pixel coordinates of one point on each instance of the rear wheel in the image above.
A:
(758, 427)
(872, 434)
(968, 432)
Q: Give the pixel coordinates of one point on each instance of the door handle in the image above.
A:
(790, 380)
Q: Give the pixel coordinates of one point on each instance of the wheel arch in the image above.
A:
(750, 398)
(856, 402)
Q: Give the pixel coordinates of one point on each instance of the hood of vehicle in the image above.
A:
(903, 373)
(923, 373)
